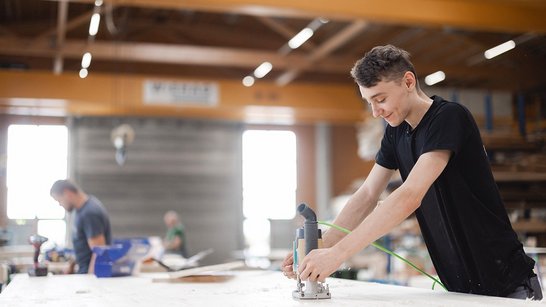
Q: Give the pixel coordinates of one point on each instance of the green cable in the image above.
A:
(381, 248)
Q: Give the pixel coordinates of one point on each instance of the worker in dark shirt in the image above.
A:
(91, 222)
(447, 183)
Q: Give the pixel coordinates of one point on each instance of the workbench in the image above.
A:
(246, 288)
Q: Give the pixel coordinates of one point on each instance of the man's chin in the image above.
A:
(393, 124)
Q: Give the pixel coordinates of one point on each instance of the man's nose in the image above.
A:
(375, 110)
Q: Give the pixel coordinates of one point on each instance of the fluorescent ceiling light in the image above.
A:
(300, 38)
(83, 73)
(263, 70)
(86, 60)
(94, 24)
(248, 81)
(434, 78)
(324, 20)
(502, 48)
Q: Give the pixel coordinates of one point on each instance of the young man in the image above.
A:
(91, 222)
(447, 182)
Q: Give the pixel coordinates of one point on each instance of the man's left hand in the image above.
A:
(319, 264)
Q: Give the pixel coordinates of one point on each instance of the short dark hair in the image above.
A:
(382, 63)
(61, 185)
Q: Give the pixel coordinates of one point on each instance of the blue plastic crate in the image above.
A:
(119, 259)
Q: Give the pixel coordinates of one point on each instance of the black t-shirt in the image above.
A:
(462, 217)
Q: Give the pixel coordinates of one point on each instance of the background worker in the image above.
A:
(175, 238)
(91, 222)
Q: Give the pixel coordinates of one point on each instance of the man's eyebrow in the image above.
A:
(376, 95)
(366, 101)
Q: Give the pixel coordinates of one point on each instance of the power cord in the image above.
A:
(381, 248)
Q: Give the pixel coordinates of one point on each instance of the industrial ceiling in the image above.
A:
(228, 39)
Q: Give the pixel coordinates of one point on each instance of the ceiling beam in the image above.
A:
(62, 14)
(284, 31)
(323, 50)
(498, 16)
(76, 21)
(233, 57)
(163, 53)
(70, 25)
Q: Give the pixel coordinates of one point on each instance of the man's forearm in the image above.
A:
(355, 211)
(396, 208)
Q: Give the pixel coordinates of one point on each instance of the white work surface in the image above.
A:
(247, 288)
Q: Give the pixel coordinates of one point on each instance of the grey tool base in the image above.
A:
(315, 296)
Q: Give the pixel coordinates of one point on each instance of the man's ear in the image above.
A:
(409, 80)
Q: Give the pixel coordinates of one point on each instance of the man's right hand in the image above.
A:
(286, 266)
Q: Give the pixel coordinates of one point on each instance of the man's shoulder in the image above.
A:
(94, 200)
(443, 105)
(92, 206)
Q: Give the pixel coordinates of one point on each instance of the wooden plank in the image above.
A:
(533, 225)
(519, 176)
(204, 269)
(198, 278)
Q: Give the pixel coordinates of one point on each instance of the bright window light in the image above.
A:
(300, 38)
(434, 78)
(263, 70)
(257, 234)
(37, 157)
(94, 24)
(500, 49)
(54, 231)
(269, 174)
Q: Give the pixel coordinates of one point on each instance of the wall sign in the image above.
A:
(180, 93)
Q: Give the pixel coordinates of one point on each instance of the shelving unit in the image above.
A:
(519, 168)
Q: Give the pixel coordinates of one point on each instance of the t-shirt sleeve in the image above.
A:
(448, 130)
(386, 155)
(93, 225)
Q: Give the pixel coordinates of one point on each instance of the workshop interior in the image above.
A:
(235, 132)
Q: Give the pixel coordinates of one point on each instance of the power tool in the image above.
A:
(308, 237)
(38, 269)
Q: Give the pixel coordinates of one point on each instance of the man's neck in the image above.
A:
(419, 108)
(81, 199)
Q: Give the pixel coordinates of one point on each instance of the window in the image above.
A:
(37, 157)
(269, 184)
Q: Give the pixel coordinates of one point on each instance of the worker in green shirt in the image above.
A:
(175, 240)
